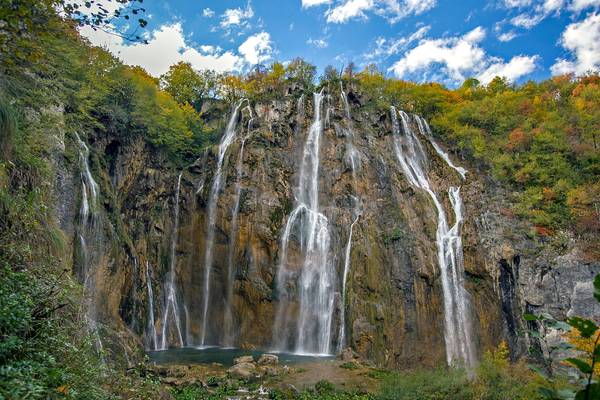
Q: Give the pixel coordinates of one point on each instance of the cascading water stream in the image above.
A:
(352, 155)
(316, 281)
(153, 336)
(226, 141)
(425, 130)
(171, 303)
(89, 229)
(413, 161)
(228, 336)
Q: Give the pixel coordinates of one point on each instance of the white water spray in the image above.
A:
(89, 229)
(151, 322)
(228, 326)
(425, 130)
(226, 141)
(413, 160)
(353, 158)
(171, 303)
(315, 285)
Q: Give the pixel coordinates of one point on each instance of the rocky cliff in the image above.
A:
(393, 308)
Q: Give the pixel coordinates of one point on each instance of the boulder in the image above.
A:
(268, 359)
(243, 359)
(243, 370)
(347, 355)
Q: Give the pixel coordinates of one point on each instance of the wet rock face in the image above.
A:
(394, 304)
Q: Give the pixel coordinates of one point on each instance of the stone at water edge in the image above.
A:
(268, 359)
(244, 370)
(243, 359)
(348, 355)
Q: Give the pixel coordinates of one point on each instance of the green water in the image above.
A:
(192, 355)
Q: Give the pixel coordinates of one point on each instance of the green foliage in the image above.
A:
(427, 385)
(350, 365)
(188, 86)
(585, 365)
(496, 378)
(499, 379)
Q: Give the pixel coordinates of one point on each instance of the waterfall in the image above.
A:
(413, 161)
(226, 141)
(171, 304)
(151, 323)
(202, 180)
(315, 285)
(426, 131)
(135, 294)
(228, 336)
(89, 229)
(352, 156)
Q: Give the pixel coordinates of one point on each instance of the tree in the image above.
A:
(231, 88)
(23, 22)
(188, 86)
(100, 15)
(301, 72)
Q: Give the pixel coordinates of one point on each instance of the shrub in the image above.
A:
(438, 384)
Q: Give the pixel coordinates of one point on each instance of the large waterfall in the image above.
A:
(226, 141)
(413, 161)
(171, 304)
(312, 288)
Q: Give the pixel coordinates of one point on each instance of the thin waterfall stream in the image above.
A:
(413, 161)
(171, 302)
(89, 231)
(354, 161)
(228, 325)
(226, 141)
(153, 336)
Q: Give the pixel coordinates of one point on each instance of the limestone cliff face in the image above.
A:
(394, 304)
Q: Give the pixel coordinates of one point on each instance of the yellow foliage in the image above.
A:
(585, 345)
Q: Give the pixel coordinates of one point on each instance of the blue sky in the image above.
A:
(420, 40)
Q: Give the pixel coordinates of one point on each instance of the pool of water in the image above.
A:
(225, 356)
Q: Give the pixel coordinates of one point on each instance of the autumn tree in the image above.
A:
(188, 86)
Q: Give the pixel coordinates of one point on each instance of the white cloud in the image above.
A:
(458, 55)
(527, 21)
(236, 16)
(457, 58)
(208, 13)
(166, 46)
(257, 48)
(507, 36)
(350, 9)
(320, 43)
(392, 10)
(550, 6)
(580, 5)
(313, 3)
(516, 3)
(582, 40)
(388, 47)
(517, 67)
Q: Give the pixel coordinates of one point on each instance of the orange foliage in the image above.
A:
(543, 231)
(585, 345)
(517, 139)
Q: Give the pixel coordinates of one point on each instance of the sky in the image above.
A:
(419, 40)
